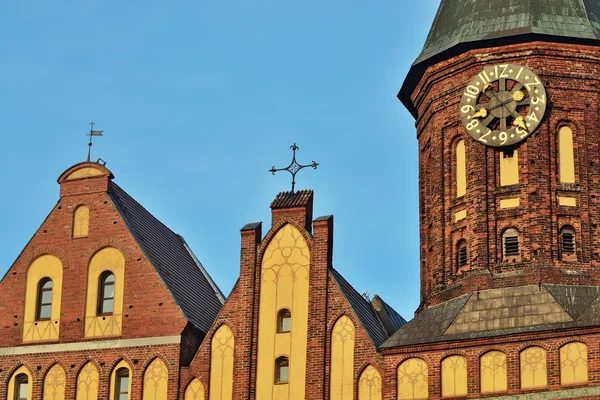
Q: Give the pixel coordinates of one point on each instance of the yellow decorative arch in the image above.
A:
(155, 380)
(413, 380)
(11, 383)
(81, 222)
(461, 169)
(283, 285)
(55, 383)
(454, 376)
(492, 367)
(221, 364)
(342, 359)
(195, 390)
(369, 384)
(107, 259)
(113, 379)
(87, 382)
(85, 172)
(573, 363)
(566, 157)
(533, 368)
(46, 266)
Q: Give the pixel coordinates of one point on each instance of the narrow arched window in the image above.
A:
(566, 157)
(567, 243)
(21, 387)
(282, 366)
(106, 293)
(122, 384)
(511, 243)
(461, 253)
(284, 321)
(461, 168)
(509, 167)
(44, 300)
(81, 222)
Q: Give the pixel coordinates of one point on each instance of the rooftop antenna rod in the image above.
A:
(91, 135)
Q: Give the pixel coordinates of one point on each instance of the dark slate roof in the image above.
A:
(194, 291)
(460, 25)
(290, 200)
(429, 326)
(395, 319)
(363, 310)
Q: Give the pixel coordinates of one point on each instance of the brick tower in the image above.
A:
(505, 98)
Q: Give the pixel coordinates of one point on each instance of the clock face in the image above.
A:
(503, 105)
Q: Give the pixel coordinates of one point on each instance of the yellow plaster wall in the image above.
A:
(156, 378)
(413, 380)
(284, 284)
(107, 259)
(195, 390)
(87, 382)
(121, 364)
(533, 368)
(454, 376)
(342, 359)
(11, 383)
(369, 384)
(221, 364)
(46, 266)
(84, 173)
(461, 169)
(509, 169)
(510, 203)
(55, 383)
(460, 215)
(573, 363)
(566, 158)
(81, 221)
(567, 201)
(493, 372)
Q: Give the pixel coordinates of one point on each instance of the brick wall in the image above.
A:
(570, 75)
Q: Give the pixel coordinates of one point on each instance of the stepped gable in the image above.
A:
(364, 310)
(192, 288)
(461, 25)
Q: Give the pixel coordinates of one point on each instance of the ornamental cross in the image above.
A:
(91, 134)
(294, 167)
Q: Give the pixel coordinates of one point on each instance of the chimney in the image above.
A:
(293, 207)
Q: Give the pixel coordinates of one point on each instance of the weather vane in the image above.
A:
(91, 134)
(294, 167)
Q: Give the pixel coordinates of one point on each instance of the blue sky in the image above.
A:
(198, 100)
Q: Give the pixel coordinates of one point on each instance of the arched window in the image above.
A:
(567, 243)
(511, 243)
(566, 158)
(284, 321)
(21, 387)
(106, 293)
(533, 368)
(573, 363)
(454, 376)
(282, 366)
(413, 380)
(122, 384)
(44, 300)
(493, 372)
(81, 219)
(461, 253)
(461, 168)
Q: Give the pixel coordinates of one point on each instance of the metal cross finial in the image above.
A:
(91, 134)
(294, 167)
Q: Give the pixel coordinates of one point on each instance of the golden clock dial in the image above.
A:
(503, 105)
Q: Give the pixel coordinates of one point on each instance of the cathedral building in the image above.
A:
(107, 302)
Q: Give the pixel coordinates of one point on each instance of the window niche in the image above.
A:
(284, 321)
(511, 245)
(567, 244)
(282, 366)
(461, 255)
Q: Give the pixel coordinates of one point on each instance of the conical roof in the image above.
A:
(461, 25)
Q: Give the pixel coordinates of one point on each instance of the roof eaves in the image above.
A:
(212, 283)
